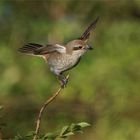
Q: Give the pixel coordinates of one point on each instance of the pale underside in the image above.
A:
(60, 62)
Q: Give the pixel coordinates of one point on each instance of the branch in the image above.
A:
(38, 122)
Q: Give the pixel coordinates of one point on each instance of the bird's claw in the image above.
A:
(63, 80)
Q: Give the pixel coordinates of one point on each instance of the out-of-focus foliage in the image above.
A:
(103, 89)
(66, 132)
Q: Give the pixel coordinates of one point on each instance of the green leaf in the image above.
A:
(76, 128)
(67, 134)
(71, 129)
(50, 136)
(65, 130)
(83, 124)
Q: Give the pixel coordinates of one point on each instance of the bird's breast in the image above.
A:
(61, 62)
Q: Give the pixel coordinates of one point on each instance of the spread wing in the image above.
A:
(86, 34)
(37, 49)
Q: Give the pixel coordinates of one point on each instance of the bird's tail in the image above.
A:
(30, 48)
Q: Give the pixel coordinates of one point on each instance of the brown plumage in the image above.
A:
(61, 58)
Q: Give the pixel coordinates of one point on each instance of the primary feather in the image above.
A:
(86, 34)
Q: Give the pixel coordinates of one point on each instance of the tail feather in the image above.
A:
(29, 48)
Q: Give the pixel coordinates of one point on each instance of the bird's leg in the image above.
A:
(63, 80)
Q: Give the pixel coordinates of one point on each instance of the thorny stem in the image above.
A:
(47, 102)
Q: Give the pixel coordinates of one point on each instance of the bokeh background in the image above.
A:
(103, 89)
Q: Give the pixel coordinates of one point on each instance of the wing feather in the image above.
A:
(92, 26)
(37, 49)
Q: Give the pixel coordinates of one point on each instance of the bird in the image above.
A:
(61, 58)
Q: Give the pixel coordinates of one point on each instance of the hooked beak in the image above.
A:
(89, 47)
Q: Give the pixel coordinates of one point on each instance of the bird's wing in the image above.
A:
(37, 49)
(86, 34)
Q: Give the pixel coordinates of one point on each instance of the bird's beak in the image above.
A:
(89, 47)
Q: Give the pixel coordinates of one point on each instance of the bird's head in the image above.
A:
(77, 46)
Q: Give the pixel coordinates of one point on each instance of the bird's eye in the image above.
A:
(80, 47)
(77, 47)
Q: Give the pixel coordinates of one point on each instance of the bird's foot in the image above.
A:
(64, 81)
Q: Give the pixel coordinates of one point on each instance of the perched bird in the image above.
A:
(61, 58)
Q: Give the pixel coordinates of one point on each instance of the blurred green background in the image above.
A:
(103, 89)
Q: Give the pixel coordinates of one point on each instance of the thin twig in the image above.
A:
(38, 122)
